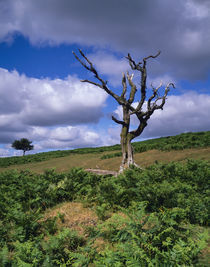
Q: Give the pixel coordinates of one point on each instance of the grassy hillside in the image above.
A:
(152, 217)
(93, 157)
(157, 216)
(94, 161)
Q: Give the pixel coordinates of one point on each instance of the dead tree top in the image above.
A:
(154, 102)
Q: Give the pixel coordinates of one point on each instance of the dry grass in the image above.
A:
(94, 160)
(149, 157)
(76, 216)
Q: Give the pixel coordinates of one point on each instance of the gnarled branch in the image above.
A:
(155, 93)
(151, 56)
(133, 88)
(124, 84)
(133, 64)
(118, 121)
(163, 98)
(103, 84)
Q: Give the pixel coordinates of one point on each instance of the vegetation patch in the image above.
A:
(152, 217)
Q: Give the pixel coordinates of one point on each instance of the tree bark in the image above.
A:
(127, 151)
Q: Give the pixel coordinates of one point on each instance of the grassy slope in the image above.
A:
(94, 160)
(80, 217)
(166, 149)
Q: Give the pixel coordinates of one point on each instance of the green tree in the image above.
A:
(23, 144)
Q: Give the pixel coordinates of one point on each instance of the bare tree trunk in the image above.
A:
(124, 148)
(127, 151)
(130, 152)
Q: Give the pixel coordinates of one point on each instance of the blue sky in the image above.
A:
(41, 96)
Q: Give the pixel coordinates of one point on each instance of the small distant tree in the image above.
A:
(145, 105)
(23, 144)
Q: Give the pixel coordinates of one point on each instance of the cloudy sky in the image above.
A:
(41, 96)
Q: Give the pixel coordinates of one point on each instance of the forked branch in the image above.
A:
(163, 98)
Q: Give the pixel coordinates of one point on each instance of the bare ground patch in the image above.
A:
(76, 216)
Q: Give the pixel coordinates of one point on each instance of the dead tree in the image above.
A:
(154, 102)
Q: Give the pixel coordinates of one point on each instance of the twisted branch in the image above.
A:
(118, 121)
(152, 101)
(103, 84)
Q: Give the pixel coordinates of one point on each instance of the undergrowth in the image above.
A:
(147, 217)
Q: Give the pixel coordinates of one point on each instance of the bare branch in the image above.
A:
(81, 62)
(143, 70)
(151, 56)
(83, 55)
(133, 64)
(118, 121)
(124, 84)
(143, 88)
(133, 88)
(144, 116)
(155, 92)
(103, 84)
(139, 130)
(96, 84)
(163, 98)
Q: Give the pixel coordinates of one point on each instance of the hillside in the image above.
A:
(165, 149)
(156, 216)
(152, 217)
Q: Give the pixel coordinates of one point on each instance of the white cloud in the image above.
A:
(181, 113)
(30, 106)
(30, 101)
(66, 137)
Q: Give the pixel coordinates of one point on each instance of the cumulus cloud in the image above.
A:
(30, 101)
(28, 105)
(53, 138)
(178, 28)
(66, 137)
(182, 113)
